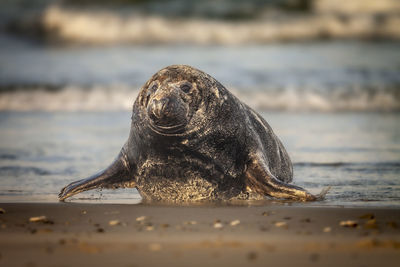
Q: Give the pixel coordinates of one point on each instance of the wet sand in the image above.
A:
(158, 235)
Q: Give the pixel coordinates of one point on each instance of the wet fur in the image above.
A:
(225, 151)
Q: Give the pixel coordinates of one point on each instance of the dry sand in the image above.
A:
(160, 235)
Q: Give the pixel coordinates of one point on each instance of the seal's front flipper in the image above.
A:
(259, 179)
(118, 174)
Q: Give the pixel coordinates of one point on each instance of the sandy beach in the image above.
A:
(324, 74)
(208, 235)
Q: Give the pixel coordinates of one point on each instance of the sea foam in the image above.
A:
(121, 97)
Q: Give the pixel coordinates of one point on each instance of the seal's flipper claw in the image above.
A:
(116, 174)
(322, 194)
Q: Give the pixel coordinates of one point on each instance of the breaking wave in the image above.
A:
(108, 27)
(200, 22)
(121, 97)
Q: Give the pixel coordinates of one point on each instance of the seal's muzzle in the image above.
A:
(167, 111)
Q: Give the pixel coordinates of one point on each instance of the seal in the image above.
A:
(192, 140)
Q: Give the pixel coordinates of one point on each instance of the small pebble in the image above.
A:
(149, 228)
(84, 212)
(100, 230)
(265, 213)
(37, 219)
(349, 223)
(141, 218)
(218, 224)
(281, 224)
(190, 222)
(42, 219)
(114, 222)
(235, 222)
(2, 211)
(327, 229)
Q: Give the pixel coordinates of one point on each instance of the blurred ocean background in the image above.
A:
(325, 74)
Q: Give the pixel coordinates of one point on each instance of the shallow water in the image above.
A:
(65, 112)
(320, 76)
(357, 154)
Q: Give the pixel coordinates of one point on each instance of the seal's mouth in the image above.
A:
(175, 129)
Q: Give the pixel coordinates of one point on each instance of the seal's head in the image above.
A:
(167, 105)
(172, 97)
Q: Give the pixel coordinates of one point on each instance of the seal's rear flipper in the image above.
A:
(259, 179)
(118, 174)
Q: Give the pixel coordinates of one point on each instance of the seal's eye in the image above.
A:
(150, 90)
(154, 87)
(186, 87)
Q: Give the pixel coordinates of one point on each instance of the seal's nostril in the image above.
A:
(163, 103)
(159, 106)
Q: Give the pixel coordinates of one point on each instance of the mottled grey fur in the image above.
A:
(192, 140)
